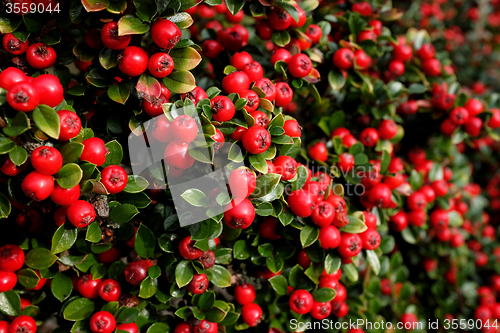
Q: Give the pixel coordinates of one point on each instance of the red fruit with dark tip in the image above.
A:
(301, 203)
(244, 293)
(65, 197)
(236, 82)
(11, 258)
(279, 19)
(49, 88)
(94, 151)
(23, 96)
(286, 167)
(254, 71)
(370, 239)
(46, 160)
(187, 249)
(23, 324)
(136, 271)
(40, 56)
(114, 178)
(88, 287)
(318, 151)
(176, 155)
(242, 182)
(70, 125)
(256, 140)
(165, 33)
(13, 45)
(102, 322)
(387, 129)
(301, 301)
(80, 214)
(160, 64)
(292, 128)
(222, 108)
(323, 214)
(130, 328)
(369, 137)
(207, 259)
(300, 65)
(251, 314)
(37, 186)
(110, 290)
(111, 39)
(343, 58)
(198, 284)
(239, 214)
(252, 100)
(133, 61)
(267, 87)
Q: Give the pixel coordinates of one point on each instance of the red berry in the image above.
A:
(40, 56)
(346, 162)
(111, 39)
(176, 155)
(251, 314)
(153, 105)
(46, 160)
(160, 64)
(37, 186)
(242, 182)
(426, 51)
(279, 19)
(11, 258)
(184, 129)
(244, 293)
(162, 129)
(399, 221)
(370, 239)
(301, 203)
(267, 87)
(13, 45)
(473, 126)
(343, 58)
(240, 59)
(165, 33)
(65, 197)
(261, 118)
(292, 128)
(281, 54)
(239, 214)
(11, 75)
(114, 178)
(198, 284)
(110, 290)
(284, 94)
(222, 108)
(94, 151)
(211, 48)
(219, 139)
(236, 82)
(369, 137)
(23, 96)
(130, 328)
(254, 71)
(402, 52)
(459, 115)
(301, 301)
(102, 322)
(314, 33)
(321, 310)
(70, 125)
(133, 61)
(329, 237)
(416, 201)
(206, 327)
(252, 101)
(286, 167)
(88, 287)
(474, 107)
(109, 256)
(300, 65)
(80, 214)
(363, 8)
(380, 195)
(494, 121)
(187, 249)
(431, 67)
(195, 95)
(318, 151)
(256, 140)
(136, 271)
(207, 259)
(24, 324)
(49, 88)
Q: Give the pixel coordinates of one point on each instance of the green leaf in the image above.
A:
(355, 226)
(158, 328)
(5, 206)
(387, 244)
(456, 220)
(136, 184)
(18, 155)
(9, 23)
(185, 59)
(148, 288)
(302, 175)
(39, 258)
(408, 236)
(336, 80)
(19, 125)
(235, 6)
(69, 175)
(183, 273)
(281, 38)
(10, 303)
(417, 88)
(94, 233)
(108, 59)
(71, 152)
(279, 284)
(290, 9)
(351, 271)
(436, 172)
(28, 278)
(265, 184)
(182, 19)
(180, 82)
(131, 25)
(119, 92)
(79, 309)
(416, 180)
(259, 163)
(123, 213)
(308, 235)
(324, 295)
(145, 10)
(95, 5)
(332, 263)
(127, 316)
(115, 155)
(148, 87)
(61, 286)
(64, 238)
(241, 250)
(47, 120)
(195, 197)
(221, 276)
(356, 23)
(373, 260)
(384, 163)
(6, 144)
(145, 242)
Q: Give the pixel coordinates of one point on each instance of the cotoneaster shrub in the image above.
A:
(362, 175)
